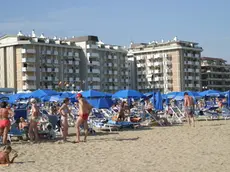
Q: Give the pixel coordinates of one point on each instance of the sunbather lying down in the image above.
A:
(4, 156)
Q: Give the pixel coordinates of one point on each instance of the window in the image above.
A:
(90, 69)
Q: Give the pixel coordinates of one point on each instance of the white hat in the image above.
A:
(33, 100)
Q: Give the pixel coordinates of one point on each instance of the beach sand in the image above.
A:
(168, 149)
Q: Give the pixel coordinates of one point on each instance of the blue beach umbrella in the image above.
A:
(180, 95)
(210, 93)
(128, 94)
(171, 95)
(158, 101)
(101, 103)
(93, 94)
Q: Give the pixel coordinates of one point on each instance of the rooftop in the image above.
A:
(164, 43)
(214, 59)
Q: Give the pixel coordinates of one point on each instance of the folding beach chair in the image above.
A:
(177, 115)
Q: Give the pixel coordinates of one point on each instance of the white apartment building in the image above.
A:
(215, 74)
(167, 66)
(103, 67)
(32, 62)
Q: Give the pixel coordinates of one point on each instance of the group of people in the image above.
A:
(6, 114)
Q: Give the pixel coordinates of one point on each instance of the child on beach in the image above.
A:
(4, 156)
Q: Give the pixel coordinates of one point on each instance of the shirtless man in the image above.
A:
(34, 119)
(188, 108)
(4, 156)
(4, 121)
(84, 110)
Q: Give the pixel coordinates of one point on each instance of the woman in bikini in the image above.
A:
(5, 113)
(34, 119)
(64, 111)
(4, 155)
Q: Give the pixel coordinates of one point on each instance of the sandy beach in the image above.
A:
(172, 149)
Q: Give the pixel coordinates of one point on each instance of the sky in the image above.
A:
(119, 22)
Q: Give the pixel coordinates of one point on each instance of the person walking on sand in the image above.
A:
(189, 109)
(64, 111)
(84, 110)
(34, 119)
(5, 121)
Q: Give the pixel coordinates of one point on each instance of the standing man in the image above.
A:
(84, 111)
(189, 109)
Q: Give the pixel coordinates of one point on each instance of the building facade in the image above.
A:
(32, 62)
(104, 67)
(215, 74)
(167, 66)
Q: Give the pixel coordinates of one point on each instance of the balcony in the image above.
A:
(190, 78)
(55, 61)
(49, 69)
(96, 87)
(91, 55)
(150, 79)
(156, 56)
(76, 54)
(139, 80)
(55, 53)
(156, 71)
(28, 87)
(96, 79)
(56, 70)
(29, 51)
(28, 69)
(32, 78)
(197, 55)
(49, 78)
(150, 57)
(49, 61)
(140, 65)
(50, 87)
(157, 63)
(95, 63)
(76, 62)
(158, 79)
(48, 52)
(28, 60)
(91, 46)
(70, 54)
